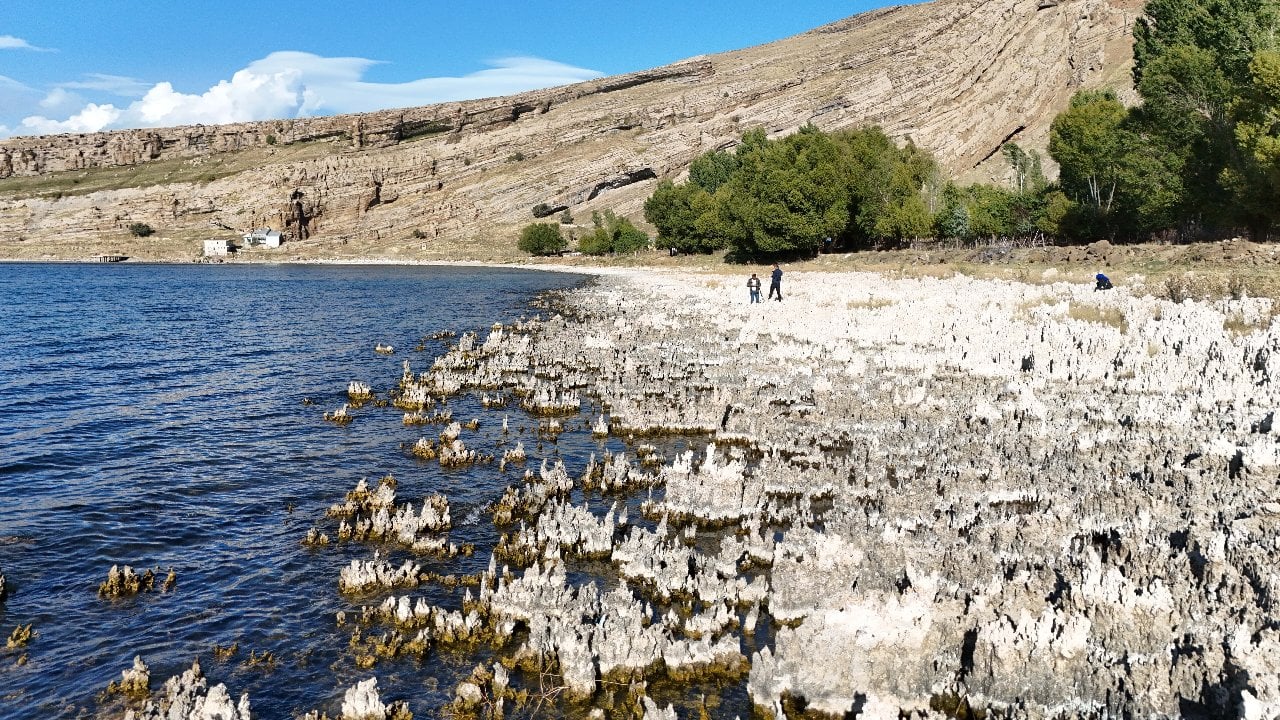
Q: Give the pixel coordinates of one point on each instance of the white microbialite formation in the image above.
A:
(909, 498)
(358, 391)
(186, 697)
(1035, 499)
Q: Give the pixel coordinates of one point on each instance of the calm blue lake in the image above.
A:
(154, 415)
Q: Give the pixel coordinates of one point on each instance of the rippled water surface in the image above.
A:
(155, 416)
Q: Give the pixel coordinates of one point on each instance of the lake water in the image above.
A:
(154, 416)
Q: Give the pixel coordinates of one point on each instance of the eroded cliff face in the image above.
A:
(958, 77)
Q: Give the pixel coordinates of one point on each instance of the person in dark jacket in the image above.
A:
(775, 283)
(1104, 282)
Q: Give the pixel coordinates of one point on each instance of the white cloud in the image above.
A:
(247, 96)
(297, 84)
(114, 84)
(92, 118)
(59, 99)
(9, 42)
(507, 76)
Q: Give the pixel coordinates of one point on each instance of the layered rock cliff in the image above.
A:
(958, 77)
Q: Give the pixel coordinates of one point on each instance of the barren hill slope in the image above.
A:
(455, 180)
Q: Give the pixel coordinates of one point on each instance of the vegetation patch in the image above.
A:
(542, 239)
(1100, 315)
(870, 303)
(612, 235)
(198, 169)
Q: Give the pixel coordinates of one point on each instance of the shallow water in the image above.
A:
(154, 416)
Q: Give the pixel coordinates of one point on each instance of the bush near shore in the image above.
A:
(1198, 158)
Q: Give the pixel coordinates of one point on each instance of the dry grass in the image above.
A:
(870, 303)
(1027, 308)
(1235, 323)
(1100, 315)
(202, 169)
(1238, 324)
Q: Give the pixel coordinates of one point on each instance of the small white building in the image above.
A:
(263, 237)
(218, 247)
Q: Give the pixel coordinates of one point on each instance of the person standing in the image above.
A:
(753, 286)
(775, 283)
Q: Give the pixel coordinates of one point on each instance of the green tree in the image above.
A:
(1194, 63)
(1185, 122)
(1231, 30)
(1056, 209)
(1255, 182)
(1086, 139)
(596, 242)
(1028, 169)
(541, 239)
(987, 211)
(712, 169)
(952, 220)
(886, 202)
(674, 210)
(786, 196)
(628, 238)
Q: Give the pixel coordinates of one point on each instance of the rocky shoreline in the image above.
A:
(913, 497)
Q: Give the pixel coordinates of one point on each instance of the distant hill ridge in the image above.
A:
(957, 77)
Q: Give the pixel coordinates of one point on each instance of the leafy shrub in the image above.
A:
(417, 234)
(541, 239)
(629, 238)
(613, 234)
(271, 139)
(595, 243)
(566, 217)
(542, 210)
(139, 229)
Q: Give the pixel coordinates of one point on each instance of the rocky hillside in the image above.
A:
(958, 77)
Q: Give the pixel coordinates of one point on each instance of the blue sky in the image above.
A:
(86, 65)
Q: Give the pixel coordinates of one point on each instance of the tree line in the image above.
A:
(851, 189)
(1198, 157)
